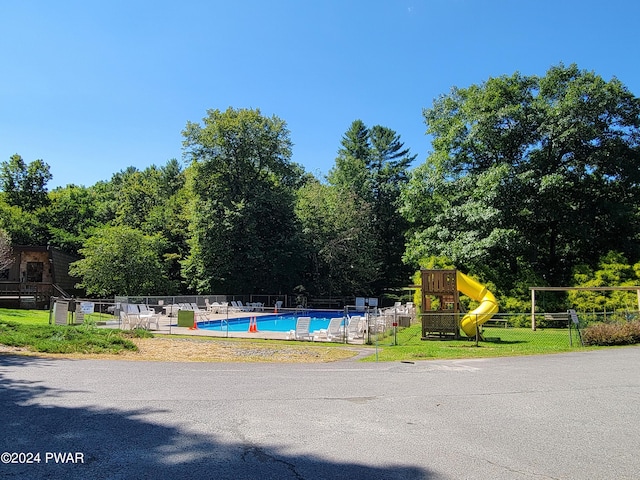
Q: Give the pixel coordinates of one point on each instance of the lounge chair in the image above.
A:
(302, 329)
(333, 332)
(254, 306)
(411, 309)
(355, 328)
(234, 307)
(244, 308)
(198, 312)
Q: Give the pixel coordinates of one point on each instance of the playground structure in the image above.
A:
(441, 317)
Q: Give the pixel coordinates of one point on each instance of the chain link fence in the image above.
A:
(398, 325)
(543, 331)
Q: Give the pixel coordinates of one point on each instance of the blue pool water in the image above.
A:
(273, 323)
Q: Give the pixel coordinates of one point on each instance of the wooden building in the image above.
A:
(36, 274)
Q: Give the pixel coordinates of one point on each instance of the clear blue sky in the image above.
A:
(92, 87)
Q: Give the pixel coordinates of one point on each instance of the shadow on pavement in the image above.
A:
(117, 444)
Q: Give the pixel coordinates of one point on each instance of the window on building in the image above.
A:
(34, 271)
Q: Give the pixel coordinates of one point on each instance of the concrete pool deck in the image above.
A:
(168, 326)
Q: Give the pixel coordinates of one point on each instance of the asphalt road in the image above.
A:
(569, 416)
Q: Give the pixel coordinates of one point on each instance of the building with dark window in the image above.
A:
(35, 275)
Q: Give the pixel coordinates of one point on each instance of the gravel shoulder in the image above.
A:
(201, 350)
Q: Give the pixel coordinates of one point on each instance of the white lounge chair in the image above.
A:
(198, 312)
(243, 307)
(302, 329)
(355, 328)
(146, 310)
(333, 332)
(254, 306)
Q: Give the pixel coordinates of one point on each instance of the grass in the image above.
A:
(30, 329)
(499, 342)
(25, 317)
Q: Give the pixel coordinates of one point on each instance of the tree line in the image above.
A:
(531, 180)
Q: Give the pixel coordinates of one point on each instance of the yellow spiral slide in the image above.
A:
(487, 308)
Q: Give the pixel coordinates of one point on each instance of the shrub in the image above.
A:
(612, 334)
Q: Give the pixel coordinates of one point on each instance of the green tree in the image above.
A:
(6, 251)
(69, 216)
(172, 178)
(154, 201)
(612, 270)
(122, 261)
(25, 184)
(244, 238)
(528, 177)
(350, 170)
(373, 164)
(135, 194)
(338, 240)
(24, 228)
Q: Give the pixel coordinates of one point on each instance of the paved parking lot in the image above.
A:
(568, 416)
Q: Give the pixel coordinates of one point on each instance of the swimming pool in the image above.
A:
(273, 323)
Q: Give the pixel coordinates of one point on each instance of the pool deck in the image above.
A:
(168, 326)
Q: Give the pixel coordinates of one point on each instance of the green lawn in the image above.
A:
(25, 317)
(499, 342)
(31, 328)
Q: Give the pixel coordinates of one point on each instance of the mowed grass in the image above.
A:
(498, 342)
(25, 317)
(30, 329)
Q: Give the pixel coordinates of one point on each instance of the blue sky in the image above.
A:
(92, 87)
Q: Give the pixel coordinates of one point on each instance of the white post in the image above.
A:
(533, 308)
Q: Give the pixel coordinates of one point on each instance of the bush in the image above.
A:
(612, 334)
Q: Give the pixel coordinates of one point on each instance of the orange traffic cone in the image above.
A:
(195, 325)
(255, 325)
(252, 327)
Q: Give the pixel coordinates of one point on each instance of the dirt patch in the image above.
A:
(197, 350)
